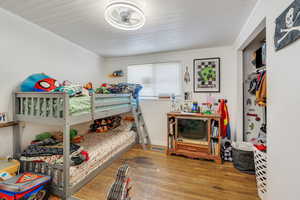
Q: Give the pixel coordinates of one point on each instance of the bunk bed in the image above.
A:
(58, 109)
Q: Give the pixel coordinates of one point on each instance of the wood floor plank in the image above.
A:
(157, 176)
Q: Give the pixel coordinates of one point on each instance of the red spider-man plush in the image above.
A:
(39, 83)
(47, 84)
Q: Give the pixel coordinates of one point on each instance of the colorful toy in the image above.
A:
(8, 168)
(78, 139)
(195, 107)
(39, 83)
(105, 124)
(25, 186)
(89, 88)
(116, 74)
(71, 89)
(209, 108)
(73, 133)
(103, 89)
(43, 136)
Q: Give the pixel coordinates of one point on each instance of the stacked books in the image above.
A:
(214, 129)
(214, 147)
(214, 135)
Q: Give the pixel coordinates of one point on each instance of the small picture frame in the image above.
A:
(207, 75)
(3, 117)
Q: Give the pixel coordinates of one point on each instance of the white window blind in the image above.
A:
(156, 79)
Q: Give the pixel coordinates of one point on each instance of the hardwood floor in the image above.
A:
(157, 176)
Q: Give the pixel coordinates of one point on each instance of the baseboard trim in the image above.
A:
(159, 148)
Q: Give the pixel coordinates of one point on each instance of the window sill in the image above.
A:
(156, 99)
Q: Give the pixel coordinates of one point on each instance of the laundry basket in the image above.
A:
(260, 159)
(243, 157)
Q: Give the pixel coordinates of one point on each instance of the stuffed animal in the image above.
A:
(39, 83)
(103, 89)
(89, 88)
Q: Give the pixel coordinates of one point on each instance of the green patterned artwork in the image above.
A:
(207, 75)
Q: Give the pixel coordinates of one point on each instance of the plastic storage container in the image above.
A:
(243, 157)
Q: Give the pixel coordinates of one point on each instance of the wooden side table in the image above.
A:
(209, 149)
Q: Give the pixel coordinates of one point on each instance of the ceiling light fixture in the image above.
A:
(124, 15)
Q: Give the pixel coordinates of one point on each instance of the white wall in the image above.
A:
(25, 49)
(155, 110)
(283, 104)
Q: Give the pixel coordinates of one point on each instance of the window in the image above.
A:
(156, 79)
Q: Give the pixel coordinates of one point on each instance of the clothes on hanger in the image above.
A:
(225, 126)
(261, 92)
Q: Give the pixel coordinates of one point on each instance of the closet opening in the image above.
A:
(254, 90)
(255, 106)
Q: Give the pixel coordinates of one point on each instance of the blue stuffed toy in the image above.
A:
(39, 83)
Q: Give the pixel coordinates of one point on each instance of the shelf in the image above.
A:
(8, 124)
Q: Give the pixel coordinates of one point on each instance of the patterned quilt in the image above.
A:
(101, 147)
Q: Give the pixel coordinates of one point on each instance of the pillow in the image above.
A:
(72, 89)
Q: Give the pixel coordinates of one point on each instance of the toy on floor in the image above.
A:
(39, 83)
(120, 190)
(25, 186)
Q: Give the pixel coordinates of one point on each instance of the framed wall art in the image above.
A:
(207, 75)
(288, 26)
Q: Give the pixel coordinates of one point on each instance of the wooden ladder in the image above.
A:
(141, 127)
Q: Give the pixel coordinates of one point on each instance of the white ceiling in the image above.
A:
(170, 25)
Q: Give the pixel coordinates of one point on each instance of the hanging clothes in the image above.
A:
(261, 93)
(224, 126)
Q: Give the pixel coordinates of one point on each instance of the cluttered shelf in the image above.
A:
(194, 114)
(8, 124)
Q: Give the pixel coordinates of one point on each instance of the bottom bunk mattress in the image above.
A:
(101, 148)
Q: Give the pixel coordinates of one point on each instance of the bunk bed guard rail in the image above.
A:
(53, 108)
